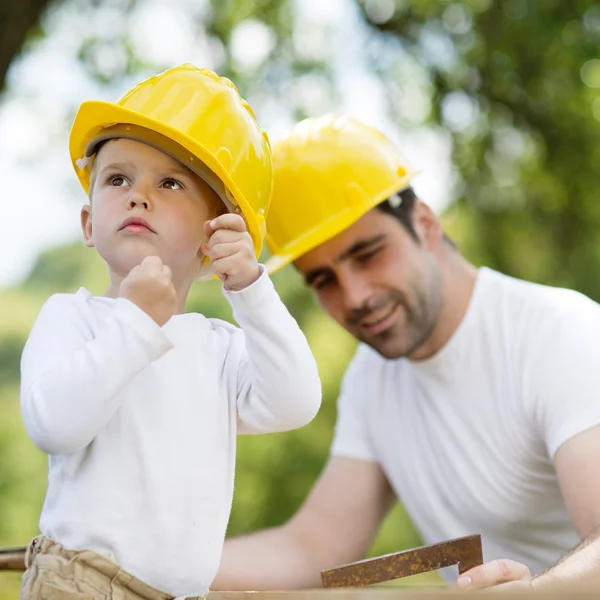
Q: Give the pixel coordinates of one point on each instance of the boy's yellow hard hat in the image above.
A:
(327, 174)
(198, 118)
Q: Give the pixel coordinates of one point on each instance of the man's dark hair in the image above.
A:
(400, 206)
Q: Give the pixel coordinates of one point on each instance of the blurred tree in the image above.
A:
(17, 19)
(517, 85)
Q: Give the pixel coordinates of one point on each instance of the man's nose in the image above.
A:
(356, 290)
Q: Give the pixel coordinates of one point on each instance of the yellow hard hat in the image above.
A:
(327, 174)
(200, 120)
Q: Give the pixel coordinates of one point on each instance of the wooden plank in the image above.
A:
(396, 593)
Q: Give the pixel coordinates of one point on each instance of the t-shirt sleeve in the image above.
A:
(565, 378)
(278, 387)
(352, 430)
(71, 379)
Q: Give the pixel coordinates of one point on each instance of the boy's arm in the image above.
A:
(278, 385)
(70, 380)
(278, 382)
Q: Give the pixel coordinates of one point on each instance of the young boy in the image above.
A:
(136, 403)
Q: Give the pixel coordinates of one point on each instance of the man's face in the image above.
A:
(379, 283)
(144, 203)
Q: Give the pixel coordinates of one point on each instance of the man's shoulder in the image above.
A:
(537, 300)
(535, 320)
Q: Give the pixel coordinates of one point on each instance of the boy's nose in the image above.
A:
(139, 200)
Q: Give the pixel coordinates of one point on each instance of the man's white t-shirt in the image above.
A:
(140, 423)
(467, 438)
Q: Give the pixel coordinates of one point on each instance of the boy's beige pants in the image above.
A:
(54, 573)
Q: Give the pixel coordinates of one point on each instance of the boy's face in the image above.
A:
(144, 203)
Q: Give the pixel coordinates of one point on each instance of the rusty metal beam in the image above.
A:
(465, 552)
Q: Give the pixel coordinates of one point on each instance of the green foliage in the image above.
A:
(65, 268)
(516, 84)
(10, 351)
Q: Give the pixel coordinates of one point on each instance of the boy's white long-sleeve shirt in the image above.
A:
(140, 423)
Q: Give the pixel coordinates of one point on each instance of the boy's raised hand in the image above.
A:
(231, 251)
(149, 285)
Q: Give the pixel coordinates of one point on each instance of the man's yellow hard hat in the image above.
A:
(199, 119)
(328, 172)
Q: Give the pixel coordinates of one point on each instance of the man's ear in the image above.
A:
(86, 225)
(427, 225)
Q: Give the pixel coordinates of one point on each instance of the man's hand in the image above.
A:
(231, 251)
(149, 285)
(507, 575)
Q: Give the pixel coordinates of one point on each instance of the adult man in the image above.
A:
(473, 396)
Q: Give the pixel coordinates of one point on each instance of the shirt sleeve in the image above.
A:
(278, 386)
(352, 436)
(71, 379)
(565, 377)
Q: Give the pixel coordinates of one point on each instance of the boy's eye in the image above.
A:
(115, 180)
(172, 184)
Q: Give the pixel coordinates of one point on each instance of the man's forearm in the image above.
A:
(336, 525)
(273, 559)
(578, 568)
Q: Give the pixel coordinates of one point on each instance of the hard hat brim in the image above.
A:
(328, 229)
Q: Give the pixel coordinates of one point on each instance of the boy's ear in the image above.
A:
(86, 225)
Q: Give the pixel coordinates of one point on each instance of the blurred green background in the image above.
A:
(512, 88)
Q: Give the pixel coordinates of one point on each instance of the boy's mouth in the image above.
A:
(136, 225)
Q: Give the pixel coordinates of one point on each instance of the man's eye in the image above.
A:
(172, 184)
(365, 257)
(321, 283)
